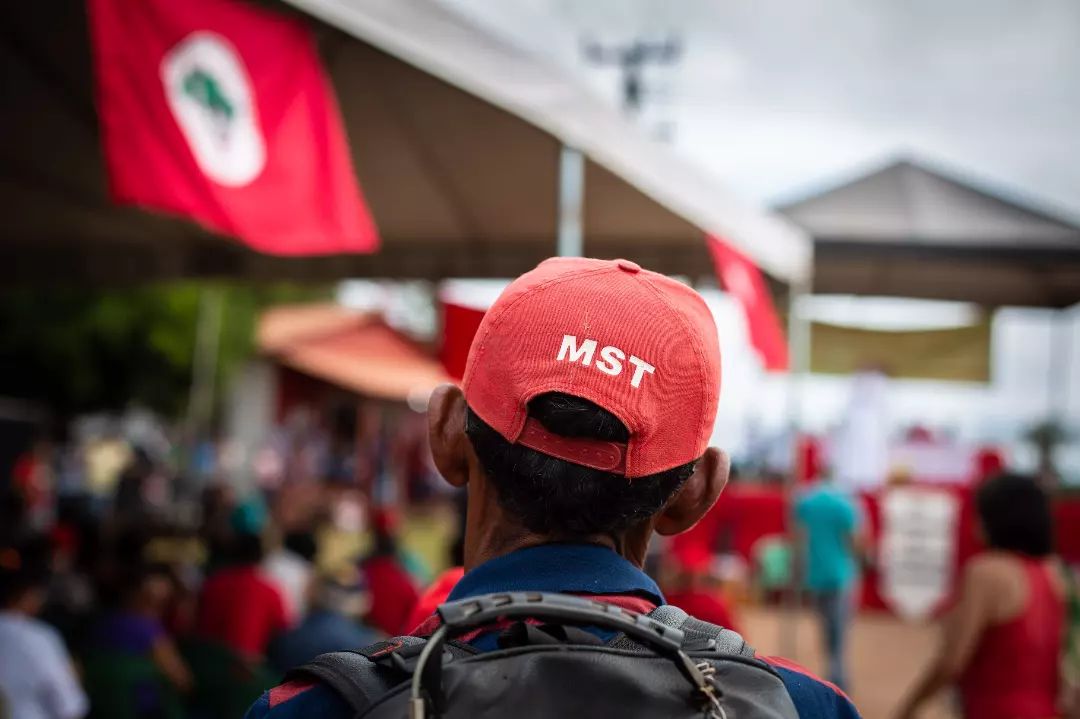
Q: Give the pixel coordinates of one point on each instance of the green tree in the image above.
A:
(78, 350)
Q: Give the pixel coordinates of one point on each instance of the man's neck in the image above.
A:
(491, 531)
(501, 541)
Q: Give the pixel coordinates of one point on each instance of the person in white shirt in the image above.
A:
(37, 680)
(291, 569)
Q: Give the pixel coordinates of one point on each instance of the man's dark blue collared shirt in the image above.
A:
(568, 569)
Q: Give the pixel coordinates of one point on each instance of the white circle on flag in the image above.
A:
(210, 94)
(739, 283)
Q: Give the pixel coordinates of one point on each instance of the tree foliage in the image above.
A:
(78, 350)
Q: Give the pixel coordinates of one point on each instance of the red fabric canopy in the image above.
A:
(353, 350)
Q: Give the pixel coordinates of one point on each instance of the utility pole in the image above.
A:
(632, 58)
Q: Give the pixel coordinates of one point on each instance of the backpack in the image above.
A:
(664, 664)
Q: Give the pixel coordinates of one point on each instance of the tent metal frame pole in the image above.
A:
(1059, 377)
(798, 367)
(798, 349)
(205, 361)
(570, 241)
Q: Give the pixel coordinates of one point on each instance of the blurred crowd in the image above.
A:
(135, 583)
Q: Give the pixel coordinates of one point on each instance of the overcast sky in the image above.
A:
(777, 97)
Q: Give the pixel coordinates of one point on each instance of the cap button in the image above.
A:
(628, 266)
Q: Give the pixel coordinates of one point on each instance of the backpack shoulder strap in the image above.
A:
(697, 633)
(350, 674)
(356, 675)
(727, 641)
(362, 676)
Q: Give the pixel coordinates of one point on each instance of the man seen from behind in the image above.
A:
(580, 430)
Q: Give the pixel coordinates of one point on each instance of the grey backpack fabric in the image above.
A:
(556, 672)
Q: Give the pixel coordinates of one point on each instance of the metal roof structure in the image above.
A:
(910, 230)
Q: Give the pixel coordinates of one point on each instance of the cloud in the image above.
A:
(774, 95)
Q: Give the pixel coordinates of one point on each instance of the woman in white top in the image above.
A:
(37, 680)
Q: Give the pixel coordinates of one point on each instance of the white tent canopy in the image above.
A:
(449, 46)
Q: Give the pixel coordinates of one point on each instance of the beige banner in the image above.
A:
(961, 354)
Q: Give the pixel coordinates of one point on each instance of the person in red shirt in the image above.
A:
(693, 589)
(393, 591)
(240, 608)
(32, 479)
(1003, 640)
(436, 593)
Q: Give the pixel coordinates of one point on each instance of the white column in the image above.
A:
(571, 202)
(1059, 377)
(798, 368)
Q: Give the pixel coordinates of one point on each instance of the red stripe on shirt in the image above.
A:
(288, 690)
(799, 669)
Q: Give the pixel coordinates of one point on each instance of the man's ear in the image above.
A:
(697, 495)
(446, 433)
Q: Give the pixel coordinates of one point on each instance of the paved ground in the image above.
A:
(885, 656)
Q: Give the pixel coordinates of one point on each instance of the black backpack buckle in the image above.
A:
(399, 656)
(380, 650)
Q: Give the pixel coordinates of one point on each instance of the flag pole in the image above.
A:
(570, 242)
(799, 367)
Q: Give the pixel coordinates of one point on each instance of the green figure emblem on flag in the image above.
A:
(201, 86)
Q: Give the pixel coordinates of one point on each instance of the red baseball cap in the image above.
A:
(638, 344)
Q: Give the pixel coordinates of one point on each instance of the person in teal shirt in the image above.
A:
(829, 519)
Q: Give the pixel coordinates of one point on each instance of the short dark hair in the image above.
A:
(15, 585)
(1016, 516)
(556, 497)
(303, 544)
(246, 548)
(131, 581)
(22, 569)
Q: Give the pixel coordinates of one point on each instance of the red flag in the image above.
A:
(460, 324)
(219, 110)
(743, 279)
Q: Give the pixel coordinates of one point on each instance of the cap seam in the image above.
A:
(695, 338)
(543, 285)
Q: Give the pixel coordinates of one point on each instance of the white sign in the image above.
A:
(917, 550)
(935, 462)
(210, 95)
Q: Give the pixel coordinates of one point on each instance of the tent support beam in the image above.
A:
(798, 349)
(571, 202)
(798, 367)
(1059, 389)
(205, 361)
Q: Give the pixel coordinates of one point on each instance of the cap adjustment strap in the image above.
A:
(603, 455)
